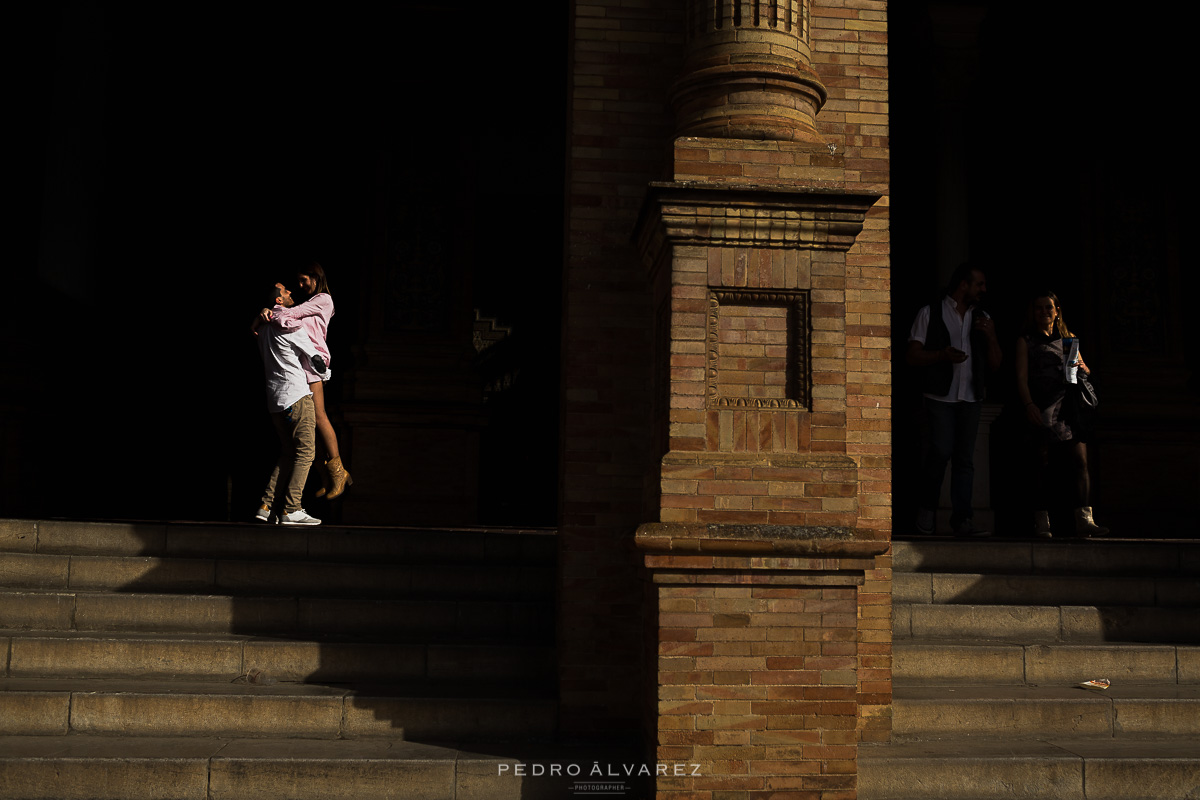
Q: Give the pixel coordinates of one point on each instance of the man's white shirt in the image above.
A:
(961, 389)
(286, 381)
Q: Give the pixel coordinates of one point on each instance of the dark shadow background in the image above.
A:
(174, 160)
(1046, 145)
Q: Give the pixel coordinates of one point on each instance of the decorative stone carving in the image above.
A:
(767, 366)
(703, 214)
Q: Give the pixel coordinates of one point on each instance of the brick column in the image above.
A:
(756, 565)
(769, 401)
(749, 288)
(754, 629)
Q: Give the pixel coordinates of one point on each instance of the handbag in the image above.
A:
(1085, 392)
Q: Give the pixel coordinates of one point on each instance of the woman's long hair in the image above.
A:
(317, 273)
(1059, 325)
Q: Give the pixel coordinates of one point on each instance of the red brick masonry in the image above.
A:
(756, 147)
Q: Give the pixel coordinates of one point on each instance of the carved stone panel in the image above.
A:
(758, 349)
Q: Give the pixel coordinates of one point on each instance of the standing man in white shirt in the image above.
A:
(953, 344)
(292, 411)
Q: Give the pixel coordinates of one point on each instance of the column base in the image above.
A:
(756, 678)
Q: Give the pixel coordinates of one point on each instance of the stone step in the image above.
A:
(1021, 623)
(967, 711)
(1044, 590)
(248, 541)
(1090, 557)
(50, 610)
(114, 768)
(995, 663)
(1058, 769)
(310, 578)
(419, 710)
(181, 657)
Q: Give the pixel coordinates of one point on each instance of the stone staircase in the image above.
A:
(992, 639)
(177, 660)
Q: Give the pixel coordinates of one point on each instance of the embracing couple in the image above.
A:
(291, 341)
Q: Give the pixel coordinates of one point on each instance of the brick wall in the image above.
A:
(849, 44)
(740, 665)
(758, 662)
(624, 55)
(820, 453)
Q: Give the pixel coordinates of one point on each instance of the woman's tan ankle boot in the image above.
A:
(1085, 525)
(339, 478)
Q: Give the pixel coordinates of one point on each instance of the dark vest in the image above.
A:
(937, 377)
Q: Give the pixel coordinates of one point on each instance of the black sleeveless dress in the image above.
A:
(1048, 389)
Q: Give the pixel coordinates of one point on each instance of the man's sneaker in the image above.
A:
(299, 517)
(925, 521)
(263, 514)
(967, 528)
(318, 364)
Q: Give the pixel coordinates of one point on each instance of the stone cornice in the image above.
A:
(799, 460)
(756, 541)
(687, 213)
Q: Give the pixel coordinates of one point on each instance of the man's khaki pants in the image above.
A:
(297, 429)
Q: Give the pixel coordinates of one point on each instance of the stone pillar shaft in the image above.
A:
(755, 565)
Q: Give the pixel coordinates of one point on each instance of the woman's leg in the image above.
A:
(1039, 488)
(325, 432)
(339, 478)
(1085, 524)
(1083, 483)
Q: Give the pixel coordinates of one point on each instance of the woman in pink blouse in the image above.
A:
(312, 316)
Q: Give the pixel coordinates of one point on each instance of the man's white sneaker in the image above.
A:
(264, 514)
(299, 517)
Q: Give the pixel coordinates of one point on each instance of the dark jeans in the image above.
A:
(952, 431)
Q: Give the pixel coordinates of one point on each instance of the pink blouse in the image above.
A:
(312, 316)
